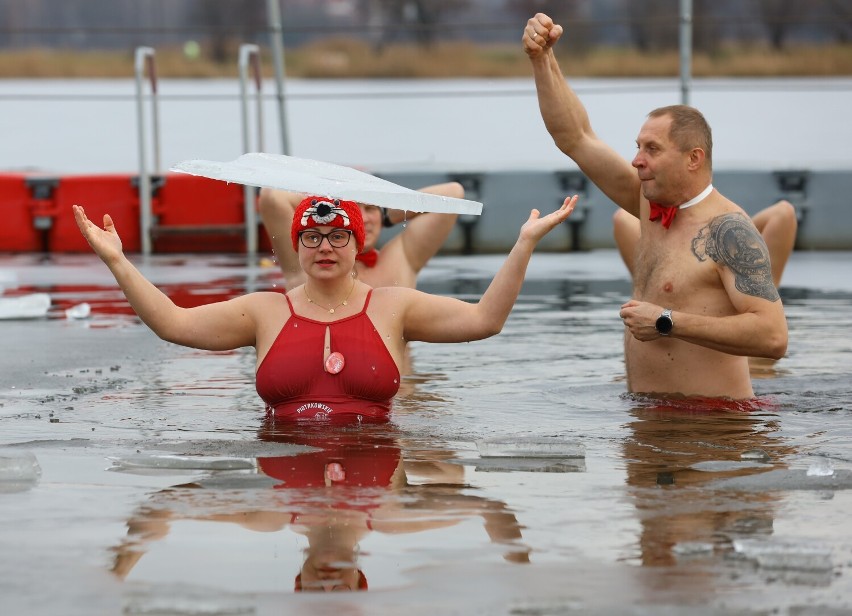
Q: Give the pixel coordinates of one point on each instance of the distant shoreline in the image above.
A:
(353, 59)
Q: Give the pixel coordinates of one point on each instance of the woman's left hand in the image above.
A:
(537, 226)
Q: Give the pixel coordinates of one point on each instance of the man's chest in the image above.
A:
(667, 268)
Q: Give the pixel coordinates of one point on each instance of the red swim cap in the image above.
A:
(318, 211)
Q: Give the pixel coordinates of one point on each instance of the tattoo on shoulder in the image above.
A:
(732, 241)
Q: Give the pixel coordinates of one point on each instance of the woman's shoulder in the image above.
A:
(262, 300)
(393, 294)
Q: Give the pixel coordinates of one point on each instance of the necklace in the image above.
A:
(330, 310)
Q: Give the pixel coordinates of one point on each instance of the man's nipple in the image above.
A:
(668, 287)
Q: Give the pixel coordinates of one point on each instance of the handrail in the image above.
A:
(145, 57)
(276, 44)
(249, 58)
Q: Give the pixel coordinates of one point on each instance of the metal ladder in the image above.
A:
(249, 66)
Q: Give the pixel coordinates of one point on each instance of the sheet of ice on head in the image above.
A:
(315, 177)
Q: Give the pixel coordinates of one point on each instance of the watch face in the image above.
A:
(664, 325)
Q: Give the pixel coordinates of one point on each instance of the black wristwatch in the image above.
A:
(664, 322)
(386, 220)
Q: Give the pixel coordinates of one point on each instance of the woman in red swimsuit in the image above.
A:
(330, 348)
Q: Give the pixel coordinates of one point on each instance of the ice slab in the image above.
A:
(530, 447)
(32, 306)
(530, 465)
(529, 454)
(19, 470)
(787, 479)
(169, 462)
(78, 311)
(316, 177)
(777, 554)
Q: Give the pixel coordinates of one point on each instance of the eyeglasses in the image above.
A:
(337, 238)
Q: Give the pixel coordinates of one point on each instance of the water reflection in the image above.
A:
(349, 482)
(674, 451)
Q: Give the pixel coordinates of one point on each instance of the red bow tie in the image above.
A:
(662, 213)
(368, 258)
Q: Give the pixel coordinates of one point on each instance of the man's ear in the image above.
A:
(696, 158)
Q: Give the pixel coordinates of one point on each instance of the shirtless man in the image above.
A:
(777, 225)
(402, 257)
(703, 295)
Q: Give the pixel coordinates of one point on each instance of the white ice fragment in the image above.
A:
(172, 462)
(777, 554)
(692, 548)
(79, 311)
(821, 468)
(19, 470)
(30, 306)
(530, 447)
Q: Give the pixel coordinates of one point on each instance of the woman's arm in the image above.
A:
(219, 326)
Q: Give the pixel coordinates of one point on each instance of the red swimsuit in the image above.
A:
(294, 384)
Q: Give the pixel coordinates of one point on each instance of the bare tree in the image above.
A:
(653, 23)
(226, 22)
(840, 12)
(779, 17)
(389, 20)
(706, 32)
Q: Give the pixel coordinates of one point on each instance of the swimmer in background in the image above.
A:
(332, 347)
(703, 294)
(400, 260)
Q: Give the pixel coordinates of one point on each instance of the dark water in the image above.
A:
(515, 478)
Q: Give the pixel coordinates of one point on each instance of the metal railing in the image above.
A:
(249, 61)
(249, 67)
(145, 58)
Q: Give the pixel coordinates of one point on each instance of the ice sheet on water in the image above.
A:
(778, 554)
(692, 548)
(505, 464)
(821, 467)
(787, 479)
(185, 601)
(137, 462)
(19, 470)
(32, 306)
(529, 454)
(530, 447)
(721, 466)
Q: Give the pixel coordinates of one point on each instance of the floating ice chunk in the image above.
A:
(182, 463)
(776, 554)
(530, 447)
(692, 548)
(505, 464)
(721, 466)
(787, 479)
(80, 311)
(19, 470)
(30, 306)
(185, 602)
(821, 467)
(755, 454)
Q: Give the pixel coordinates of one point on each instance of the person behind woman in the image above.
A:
(332, 347)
